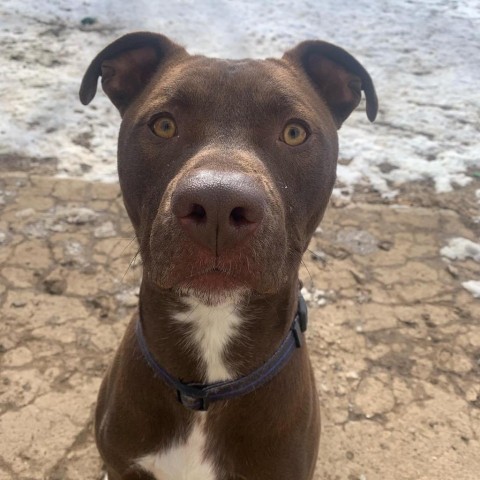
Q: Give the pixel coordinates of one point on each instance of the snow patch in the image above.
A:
(318, 298)
(460, 249)
(473, 286)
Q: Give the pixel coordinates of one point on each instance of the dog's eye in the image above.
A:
(294, 134)
(164, 127)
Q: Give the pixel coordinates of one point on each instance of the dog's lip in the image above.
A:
(213, 271)
(232, 270)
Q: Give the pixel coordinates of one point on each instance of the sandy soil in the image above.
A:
(394, 336)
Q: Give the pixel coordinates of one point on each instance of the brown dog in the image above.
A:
(226, 169)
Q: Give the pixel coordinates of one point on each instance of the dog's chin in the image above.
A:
(214, 288)
(214, 297)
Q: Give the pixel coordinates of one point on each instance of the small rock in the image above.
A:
(3, 237)
(339, 253)
(55, 285)
(386, 167)
(128, 299)
(385, 245)
(352, 375)
(88, 21)
(472, 394)
(340, 391)
(80, 216)
(19, 304)
(74, 253)
(359, 277)
(57, 227)
(319, 256)
(27, 212)
(104, 231)
(318, 298)
(356, 241)
(452, 271)
(341, 197)
(364, 296)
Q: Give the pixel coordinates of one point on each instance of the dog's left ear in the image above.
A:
(126, 66)
(336, 76)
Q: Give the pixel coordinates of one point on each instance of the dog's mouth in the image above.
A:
(215, 279)
(214, 285)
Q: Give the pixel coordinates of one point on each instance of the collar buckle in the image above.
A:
(297, 333)
(302, 313)
(191, 402)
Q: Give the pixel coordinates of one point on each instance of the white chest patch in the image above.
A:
(212, 329)
(185, 461)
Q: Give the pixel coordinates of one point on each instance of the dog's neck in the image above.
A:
(196, 342)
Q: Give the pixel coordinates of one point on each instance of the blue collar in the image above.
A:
(197, 396)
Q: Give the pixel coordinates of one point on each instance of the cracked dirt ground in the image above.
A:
(394, 337)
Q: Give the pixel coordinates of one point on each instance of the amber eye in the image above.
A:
(294, 134)
(164, 127)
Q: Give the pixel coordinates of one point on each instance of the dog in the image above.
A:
(226, 168)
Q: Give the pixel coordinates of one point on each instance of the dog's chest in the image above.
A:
(182, 461)
(212, 330)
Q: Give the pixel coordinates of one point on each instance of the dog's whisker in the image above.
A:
(308, 271)
(130, 265)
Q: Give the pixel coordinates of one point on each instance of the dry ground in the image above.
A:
(394, 337)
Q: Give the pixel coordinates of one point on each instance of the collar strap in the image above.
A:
(198, 396)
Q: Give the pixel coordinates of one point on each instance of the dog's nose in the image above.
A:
(218, 210)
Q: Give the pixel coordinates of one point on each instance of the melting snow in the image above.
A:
(473, 286)
(460, 249)
(418, 53)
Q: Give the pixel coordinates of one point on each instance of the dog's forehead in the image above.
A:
(197, 80)
(199, 71)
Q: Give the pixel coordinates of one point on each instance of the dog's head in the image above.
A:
(226, 167)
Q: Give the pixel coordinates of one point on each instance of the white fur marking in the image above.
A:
(213, 327)
(182, 461)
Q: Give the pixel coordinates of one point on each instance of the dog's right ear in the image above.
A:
(126, 66)
(337, 76)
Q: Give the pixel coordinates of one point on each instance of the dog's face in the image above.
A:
(226, 167)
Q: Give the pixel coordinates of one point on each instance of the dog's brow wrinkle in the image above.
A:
(178, 97)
